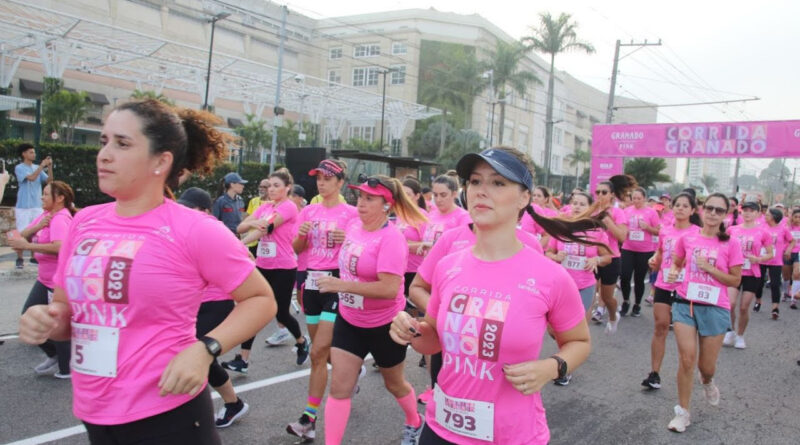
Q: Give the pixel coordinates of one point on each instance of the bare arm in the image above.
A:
(386, 287)
(420, 293)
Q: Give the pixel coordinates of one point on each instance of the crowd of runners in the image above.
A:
(474, 273)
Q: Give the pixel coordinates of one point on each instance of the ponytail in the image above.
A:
(570, 230)
(61, 188)
(403, 207)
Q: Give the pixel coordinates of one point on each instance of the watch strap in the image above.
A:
(212, 346)
(562, 366)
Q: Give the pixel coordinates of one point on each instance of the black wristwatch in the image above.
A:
(562, 366)
(212, 346)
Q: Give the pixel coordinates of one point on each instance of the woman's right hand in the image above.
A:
(560, 256)
(304, 229)
(39, 322)
(404, 328)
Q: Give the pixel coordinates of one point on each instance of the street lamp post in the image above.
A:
(384, 72)
(213, 20)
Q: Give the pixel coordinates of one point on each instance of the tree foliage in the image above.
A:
(150, 94)
(508, 76)
(647, 171)
(63, 110)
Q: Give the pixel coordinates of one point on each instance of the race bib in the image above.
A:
(471, 418)
(681, 276)
(702, 293)
(796, 235)
(746, 264)
(654, 239)
(49, 297)
(636, 235)
(574, 262)
(763, 252)
(313, 276)
(353, 301)
(94, 349)
(267, 249)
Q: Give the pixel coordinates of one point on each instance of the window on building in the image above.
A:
(335, 53)
(334, 76)
(363, 133)
(367, 50)
(508, 133)
(397, 147)
(523, 138)
(359, 77)
(398, 74)
(558, 136)
(372, 76)
(399, 48)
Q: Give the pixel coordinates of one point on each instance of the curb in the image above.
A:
(28, 273)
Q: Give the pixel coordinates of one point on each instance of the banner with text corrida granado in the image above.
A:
(757, 139)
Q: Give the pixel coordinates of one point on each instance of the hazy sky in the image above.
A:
(712, 50)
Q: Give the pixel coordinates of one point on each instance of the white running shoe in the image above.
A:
(361, 374)
(739, 344)
(611, 326)
(411, 434)
(279, 337)
(47, 366)
(730, 338)
(711, 392)
(680, 421)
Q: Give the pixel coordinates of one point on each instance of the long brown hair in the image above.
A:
(403, 207)
(61, 188)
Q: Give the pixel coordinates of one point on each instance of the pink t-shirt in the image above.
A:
(485, 323)
(439, 223)
(461, 238)
(721, 254)
(56, 231)
(213, 293)
(667, 218)
(781, 238)
(363, 256)
(275, 250)
(618, 216)
(135, 286)
(412, 234)
(529, 225)
(668, 237)
(577, 253)
(795, 231)
(323, 253)
(302, 261)
(751, 240)
(640, 240)
(729, 220)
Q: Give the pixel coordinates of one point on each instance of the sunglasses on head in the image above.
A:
(718, 210)
(601, 192)
(371, 181)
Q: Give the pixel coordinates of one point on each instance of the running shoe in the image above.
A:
(775, 314)
(793, 305)
(611, 326)
(649, 300)
(237, 364)
(279, 337)
(653, 381)
(730, 338)
(636, 311)
(564, 381)
(231, 412)
(756, 307)
(411, 434)
(361, 374)
(680, 421)
(624, 309)
(303, 350)
(739, 343)
(47, 366)
(426, 396)
(597, 315)
(303, 428)
(20, 263)
(786, 297)
(63, 375)
(711, 392)
(422, 363)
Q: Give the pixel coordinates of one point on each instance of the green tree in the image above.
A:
(150, 94)
(554, 36)
(253, 135)
(578, 159)
(508, 76)
(5, 119)
(647, 171)
(63, 110)
(362, 145)
(463, 142)
(438, 92)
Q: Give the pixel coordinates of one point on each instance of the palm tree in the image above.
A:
(63, 110)
(554, 37)
(467, 78)
(579, 158)
(504, 64)
(647, 171)
(438, 91)
(150, 94)
(254, 136)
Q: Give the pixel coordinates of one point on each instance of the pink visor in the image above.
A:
(379, 190)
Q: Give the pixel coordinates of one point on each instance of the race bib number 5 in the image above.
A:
(353, 301)
(471, 418)
(94, 349)
(702, 293)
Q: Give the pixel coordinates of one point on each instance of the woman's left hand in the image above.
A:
(187, 371)
(529, 377)
(19, 243)
(329, 285)
(591, 263)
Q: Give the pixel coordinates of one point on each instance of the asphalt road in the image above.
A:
(604, 403)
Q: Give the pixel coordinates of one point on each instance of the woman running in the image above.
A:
(489, 309)
(43, 237)
(752, 237)
(413, 235)
(711, 260)
(643, 224)
(372, 263)
(320, 232)
(139, 374)
(794, 267)
(683, 207)
(447, 214)
(734, 217)
(782, 243)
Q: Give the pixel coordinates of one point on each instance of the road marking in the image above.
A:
(80, 429)
(8, 337)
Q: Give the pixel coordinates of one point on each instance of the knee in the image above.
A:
(661, 329)
(398, 389)
(320, 354)
(686, 361)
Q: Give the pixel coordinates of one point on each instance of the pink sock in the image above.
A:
(337, 411)
(409, 405)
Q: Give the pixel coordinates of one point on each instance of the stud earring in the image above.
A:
(158, 172)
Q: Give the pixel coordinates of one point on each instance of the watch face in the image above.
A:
(212, 346)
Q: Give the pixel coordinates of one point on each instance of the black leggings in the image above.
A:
(634, 263)
(192, 422)
(282, 283)
(58, 349)
(211, 314)
(775, 278)
(429, 437)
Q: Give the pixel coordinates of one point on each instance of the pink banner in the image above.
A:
(764, 139)
(603, 167)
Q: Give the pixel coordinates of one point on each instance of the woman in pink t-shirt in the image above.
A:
(273, 223)
(683, 207)
(43, 237)
(414, 235)
(372, 263)
(488, 390)
(711, 260)
(782, 244)
(643, 224)
(130, 279)
(793, 272)
(447, 214)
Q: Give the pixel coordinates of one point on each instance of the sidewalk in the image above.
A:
(8, 270)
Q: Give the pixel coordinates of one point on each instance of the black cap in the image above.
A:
(504, 163)
(298, 190)
(196, 198)
(752, 205)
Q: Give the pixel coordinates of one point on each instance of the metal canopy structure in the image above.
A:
(62, 42)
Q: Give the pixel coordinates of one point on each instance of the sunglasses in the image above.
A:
(601, 192)
(718, 210)
(372, 181)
